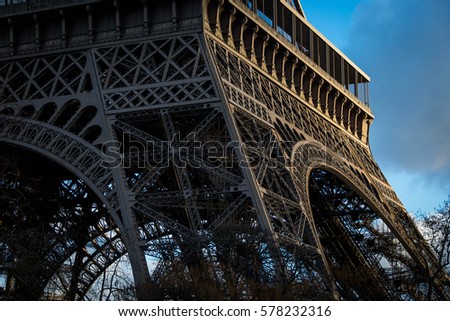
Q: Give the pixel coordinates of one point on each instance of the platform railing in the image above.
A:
(8, 8)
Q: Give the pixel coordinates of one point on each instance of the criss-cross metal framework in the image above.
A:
(171, 121)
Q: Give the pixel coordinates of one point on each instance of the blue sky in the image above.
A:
(404, 46)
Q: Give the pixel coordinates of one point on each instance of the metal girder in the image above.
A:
(237, 203)
(182, 175)
(183, 152)
(167, 222)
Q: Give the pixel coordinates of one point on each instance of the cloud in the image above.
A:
(404, 45)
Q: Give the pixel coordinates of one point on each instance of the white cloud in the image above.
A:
(404, 46)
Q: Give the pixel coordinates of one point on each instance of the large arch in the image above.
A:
(64, 148)
(367, 261)
(323, 176)
(64, 152)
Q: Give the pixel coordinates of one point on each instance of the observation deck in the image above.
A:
(275, 34)
(289, 21)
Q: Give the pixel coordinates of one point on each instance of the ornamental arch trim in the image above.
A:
(66, 149)
(309, 156)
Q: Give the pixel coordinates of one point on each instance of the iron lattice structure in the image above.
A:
(159, 125)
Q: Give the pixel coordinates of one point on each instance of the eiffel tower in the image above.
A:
(159, 124)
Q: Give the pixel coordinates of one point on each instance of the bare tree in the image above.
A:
(435, 227)
(239, 266)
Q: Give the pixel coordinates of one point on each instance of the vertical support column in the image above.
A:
(37, 32)
(275, 14)
(366, 94)
(11, 36)
(90, 24)
(125, 199)
(62, 15)
(145, 13)
(312, 45)
(174, 15)
(118, 25)
(252, 186)
(130, 233)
